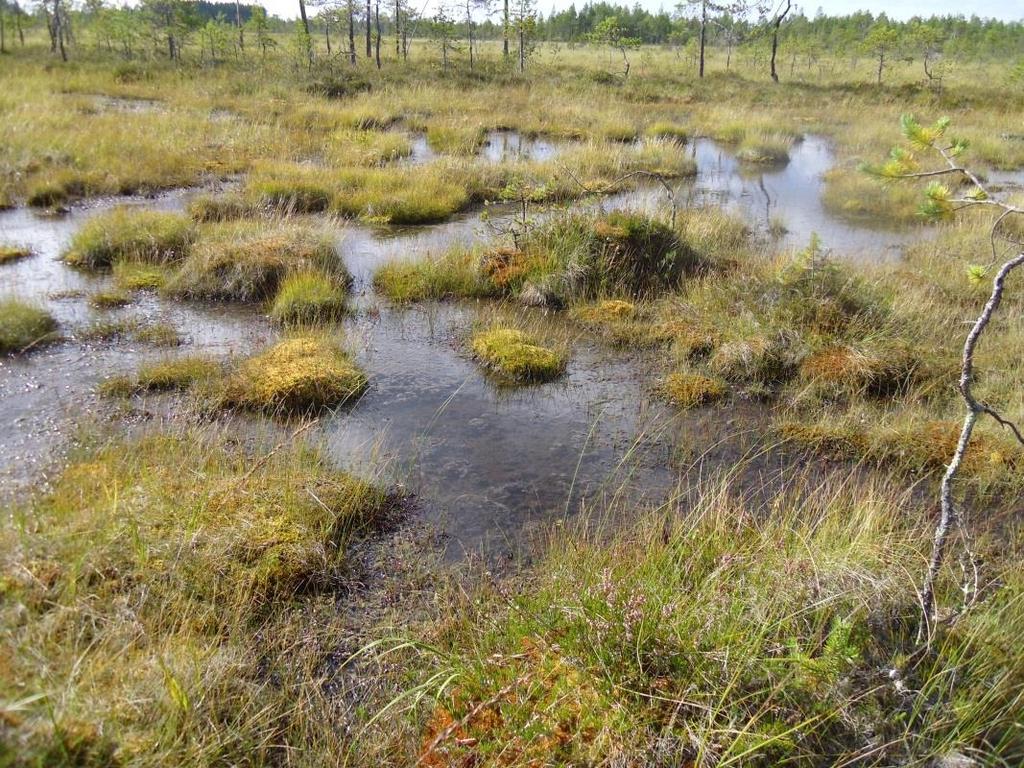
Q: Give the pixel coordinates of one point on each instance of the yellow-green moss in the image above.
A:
(299, 374)
(688, 390)
(9, 253)
(516, 355)
(109, 298)
(136, 276)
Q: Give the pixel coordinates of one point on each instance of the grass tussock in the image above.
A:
(454, 274)
(515, 355)
(109, 298)
(858, 196)
(10, 253)
(248, 261)
(725, 635)
(297, 375)
(572, 258)
(180, 589)
(128, 234)
(690, 390)
(175, 373)
(765, 148)
(914, 442)
(670, 131)
(23, 325)
(308, 298)
(224, 207)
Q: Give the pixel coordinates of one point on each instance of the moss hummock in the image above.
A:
(689, 390)
(303, 373)
(515, 355)
(9, 253)
(127, 234)
(22, 325)
(248, 261)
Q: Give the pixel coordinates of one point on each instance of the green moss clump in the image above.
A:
(513, 354)
(308, 297)
(689, 390)
(22, 325)
(248, 261)
(110, 298)
(9, 253)
(300, 374)
(137, 276)
(124, 234)
(163, 376)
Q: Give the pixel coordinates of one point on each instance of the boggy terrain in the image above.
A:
(489, 419)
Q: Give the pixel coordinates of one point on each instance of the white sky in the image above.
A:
(1009, 10)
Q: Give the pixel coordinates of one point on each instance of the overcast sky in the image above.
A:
(1010, 10)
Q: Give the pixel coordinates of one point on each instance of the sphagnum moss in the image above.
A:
(515, 355)
(299, 374)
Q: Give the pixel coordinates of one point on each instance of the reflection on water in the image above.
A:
(511, 146)
(788, 193)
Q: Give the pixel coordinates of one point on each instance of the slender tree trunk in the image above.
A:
(522, 48)
(238, 23)
(21, 32)
(775, 38)
(302, 13)
(504, 32)
(881, 64)
(469, 32)
(376, 45)
(369, 23)
(351, 32)
(703, 28)
(327, 34)
(398, 29)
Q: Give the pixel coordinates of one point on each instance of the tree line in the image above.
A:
(352, 29)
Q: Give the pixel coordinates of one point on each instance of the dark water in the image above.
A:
(487, 462)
